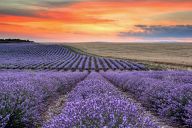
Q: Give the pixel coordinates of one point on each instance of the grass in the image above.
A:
(154, 55)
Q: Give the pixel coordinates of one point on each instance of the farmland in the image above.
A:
(57, 57)
(114, 99)
(59, 86)
(168, 55)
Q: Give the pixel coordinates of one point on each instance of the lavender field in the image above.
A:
(55, 86)
(25, 95)
(57, 57)
(95, 63)
(120, 99)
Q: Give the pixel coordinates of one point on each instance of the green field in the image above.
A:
(157, 55)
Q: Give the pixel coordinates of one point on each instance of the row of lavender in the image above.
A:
(39, 56)
(96, 103)
(168, 93)
(24, 95)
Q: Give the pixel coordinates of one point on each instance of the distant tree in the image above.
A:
(15, 41)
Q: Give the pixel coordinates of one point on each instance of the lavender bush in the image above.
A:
(23, 95)
(169, 93)
(95, 102)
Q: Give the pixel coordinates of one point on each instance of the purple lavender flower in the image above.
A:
(95, 102)
(168, 93)
(23, 95)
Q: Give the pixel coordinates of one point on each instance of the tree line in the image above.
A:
(14, 41)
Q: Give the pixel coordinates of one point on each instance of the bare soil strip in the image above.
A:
(54, 108)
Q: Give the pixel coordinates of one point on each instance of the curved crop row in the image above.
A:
(168, 93)
(38, 56)
(24, 95)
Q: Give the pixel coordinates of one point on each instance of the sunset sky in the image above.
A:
(97, 20)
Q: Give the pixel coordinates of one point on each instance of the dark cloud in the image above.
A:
(30, 8)
(158, 31)
(35, 3)
(51, 3)
(55, 4)
(17, 12)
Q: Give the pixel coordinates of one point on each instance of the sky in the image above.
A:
(97, 20)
